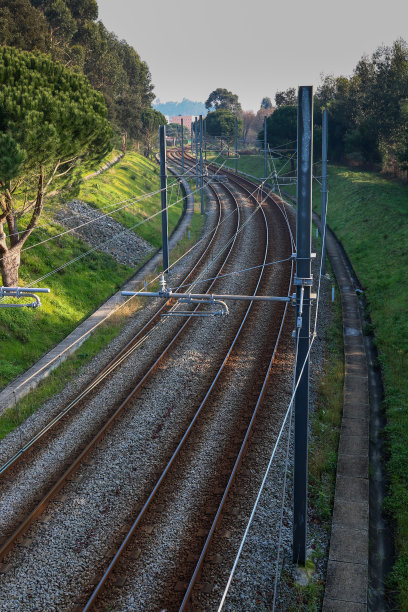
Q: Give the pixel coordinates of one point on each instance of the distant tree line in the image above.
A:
(69, 32)
(223, 107)
(368, 113)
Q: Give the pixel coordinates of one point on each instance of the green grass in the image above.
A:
(55, 382)
(100, 338)
(250, 164)
(369, 214)
(132, 177)
(326, 422)
(78, 289)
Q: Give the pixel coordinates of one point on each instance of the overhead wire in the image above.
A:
(74, 260)
(126, 203)
(251, 518)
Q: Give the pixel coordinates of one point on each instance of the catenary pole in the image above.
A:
(163, 187)
(324, 188)
(182, 147)
(303, 282)
(201, 166)
(196, 149)
(205, 140)
(236, 145)
(265, 156)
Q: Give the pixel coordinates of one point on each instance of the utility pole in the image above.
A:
(201, 166)
(236, 145)
(303, 282)
(196, 147)
(324, 188)
(163, 187)
(205, 139)
(182, 147)
(265, 156)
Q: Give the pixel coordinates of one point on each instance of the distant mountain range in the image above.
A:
(185, 107)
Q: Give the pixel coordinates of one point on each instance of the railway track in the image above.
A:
(246, 403)
(16, 466)
(234, 451)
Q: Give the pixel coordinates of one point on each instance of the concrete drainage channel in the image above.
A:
(361, 545)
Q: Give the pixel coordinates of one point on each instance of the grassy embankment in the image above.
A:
(79, 288)
(369, 214)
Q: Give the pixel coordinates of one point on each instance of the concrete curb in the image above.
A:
(347, 570)
(27, 381)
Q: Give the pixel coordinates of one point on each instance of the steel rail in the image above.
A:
(22, 528)
(119, 358)
(198, 568)
(180, 445)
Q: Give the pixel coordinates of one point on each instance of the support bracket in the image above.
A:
(19, 293)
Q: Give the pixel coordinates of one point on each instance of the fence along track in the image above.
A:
(40, 507)
(176, 454)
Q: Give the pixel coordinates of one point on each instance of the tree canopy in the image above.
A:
(49, 118)
(68, 30)
(266, 103)
(223, 99)
(368, 111)
(151, 120)
(281, 126)
(29, 31)
(222, 123)
(287, 97)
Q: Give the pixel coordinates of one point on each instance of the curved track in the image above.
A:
(234, 427)
(65, 469)
(235, 450)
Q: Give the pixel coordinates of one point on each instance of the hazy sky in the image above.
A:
(251, 47)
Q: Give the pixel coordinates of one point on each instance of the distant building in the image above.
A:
(187, 120)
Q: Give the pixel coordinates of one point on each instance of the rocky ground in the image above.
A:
(100, 230)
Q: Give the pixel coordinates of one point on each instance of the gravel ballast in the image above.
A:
(86, 520)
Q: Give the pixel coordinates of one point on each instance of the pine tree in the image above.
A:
(50, 119)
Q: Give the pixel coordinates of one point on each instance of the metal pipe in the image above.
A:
(265, 156)
(201, 166)
(182, 147)
(196, 148)
(6, 290)
(205, 139)
(201, 296)
(236, 145)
